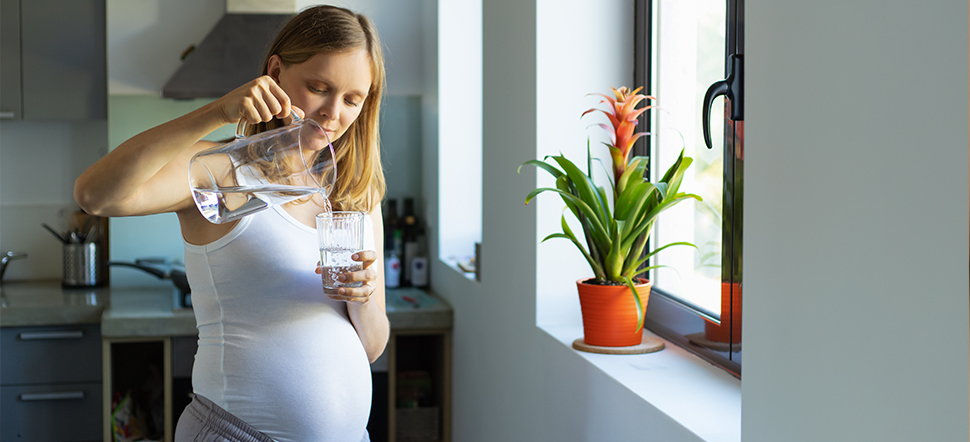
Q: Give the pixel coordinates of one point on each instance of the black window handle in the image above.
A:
(731, 87)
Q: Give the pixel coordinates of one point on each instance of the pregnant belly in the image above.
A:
(295, 388)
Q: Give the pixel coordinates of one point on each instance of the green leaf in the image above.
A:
(593, 263)
(634, 169)
(679, 175)
(544, 166)
(668, 203)
(606, 171)
(661, 190)
(675, 174)
(673, 168)
(605, 214)
(645, 160)
(639, 243)
(613, 264)
(586, 192)
(562, 183)
(632, 199)
(647, 256)
(535, 192)
(589, 259)
(637, 300)
(647, 269)
(599, 232)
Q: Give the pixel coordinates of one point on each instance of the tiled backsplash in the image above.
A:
(39, 162)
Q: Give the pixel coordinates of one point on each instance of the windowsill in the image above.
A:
(453, 263)
(697, 395)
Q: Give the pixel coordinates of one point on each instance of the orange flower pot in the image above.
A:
(610, 313)
(722, 332)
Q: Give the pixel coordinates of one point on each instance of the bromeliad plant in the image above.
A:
(615, 237)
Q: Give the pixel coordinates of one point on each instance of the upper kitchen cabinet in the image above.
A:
(53, 60)
(10, 59)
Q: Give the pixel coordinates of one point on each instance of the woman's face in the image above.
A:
(329, 87)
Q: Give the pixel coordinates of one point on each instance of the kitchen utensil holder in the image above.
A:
(82, 265)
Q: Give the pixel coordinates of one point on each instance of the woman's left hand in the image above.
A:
(367, 276)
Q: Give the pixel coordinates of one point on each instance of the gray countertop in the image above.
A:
(146, 312)
(46, 303)
(428, 311)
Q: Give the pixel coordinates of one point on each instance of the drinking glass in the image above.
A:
(253, 173)
(340, 234)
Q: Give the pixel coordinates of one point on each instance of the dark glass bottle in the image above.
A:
(410, 240)
(390, 223)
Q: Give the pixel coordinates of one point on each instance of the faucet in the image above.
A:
(10, 256)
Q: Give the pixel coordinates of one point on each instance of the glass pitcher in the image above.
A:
(253, 173)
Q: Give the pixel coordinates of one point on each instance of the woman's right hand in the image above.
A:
(257, 101)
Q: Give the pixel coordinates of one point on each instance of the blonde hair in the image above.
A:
(360, 181)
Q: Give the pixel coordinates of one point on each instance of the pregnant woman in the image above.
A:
(278, 359)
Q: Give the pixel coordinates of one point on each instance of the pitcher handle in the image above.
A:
(241, 126)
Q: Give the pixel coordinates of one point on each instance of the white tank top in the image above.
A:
(273, 349)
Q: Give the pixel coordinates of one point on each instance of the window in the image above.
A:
(459, 133)
(689, 57)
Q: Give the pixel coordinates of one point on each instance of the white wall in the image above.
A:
(856, 308)
(580, 50)
(512, 381)
(459, 128)
(856, 297)
(400, 25)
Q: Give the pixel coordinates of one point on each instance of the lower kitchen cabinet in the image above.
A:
(53, 412)
(419, 386)
(50, 383)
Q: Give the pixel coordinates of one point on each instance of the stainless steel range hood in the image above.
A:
(232, 54)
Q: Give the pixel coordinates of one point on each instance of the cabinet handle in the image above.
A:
(55, 396)
(6, 115)
(37, 336)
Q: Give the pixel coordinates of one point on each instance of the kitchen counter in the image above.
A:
(146, 312)
(427, 311)
(46, 303)
(137, 312)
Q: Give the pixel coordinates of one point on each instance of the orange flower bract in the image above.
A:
(622, 114)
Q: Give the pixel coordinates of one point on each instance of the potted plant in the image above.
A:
(615, 230)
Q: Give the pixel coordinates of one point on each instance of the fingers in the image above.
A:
(367, 273)
(266, 100)
(367, 257)
(257, 101)
(366, 276)
(360, 295)
(278, 102)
